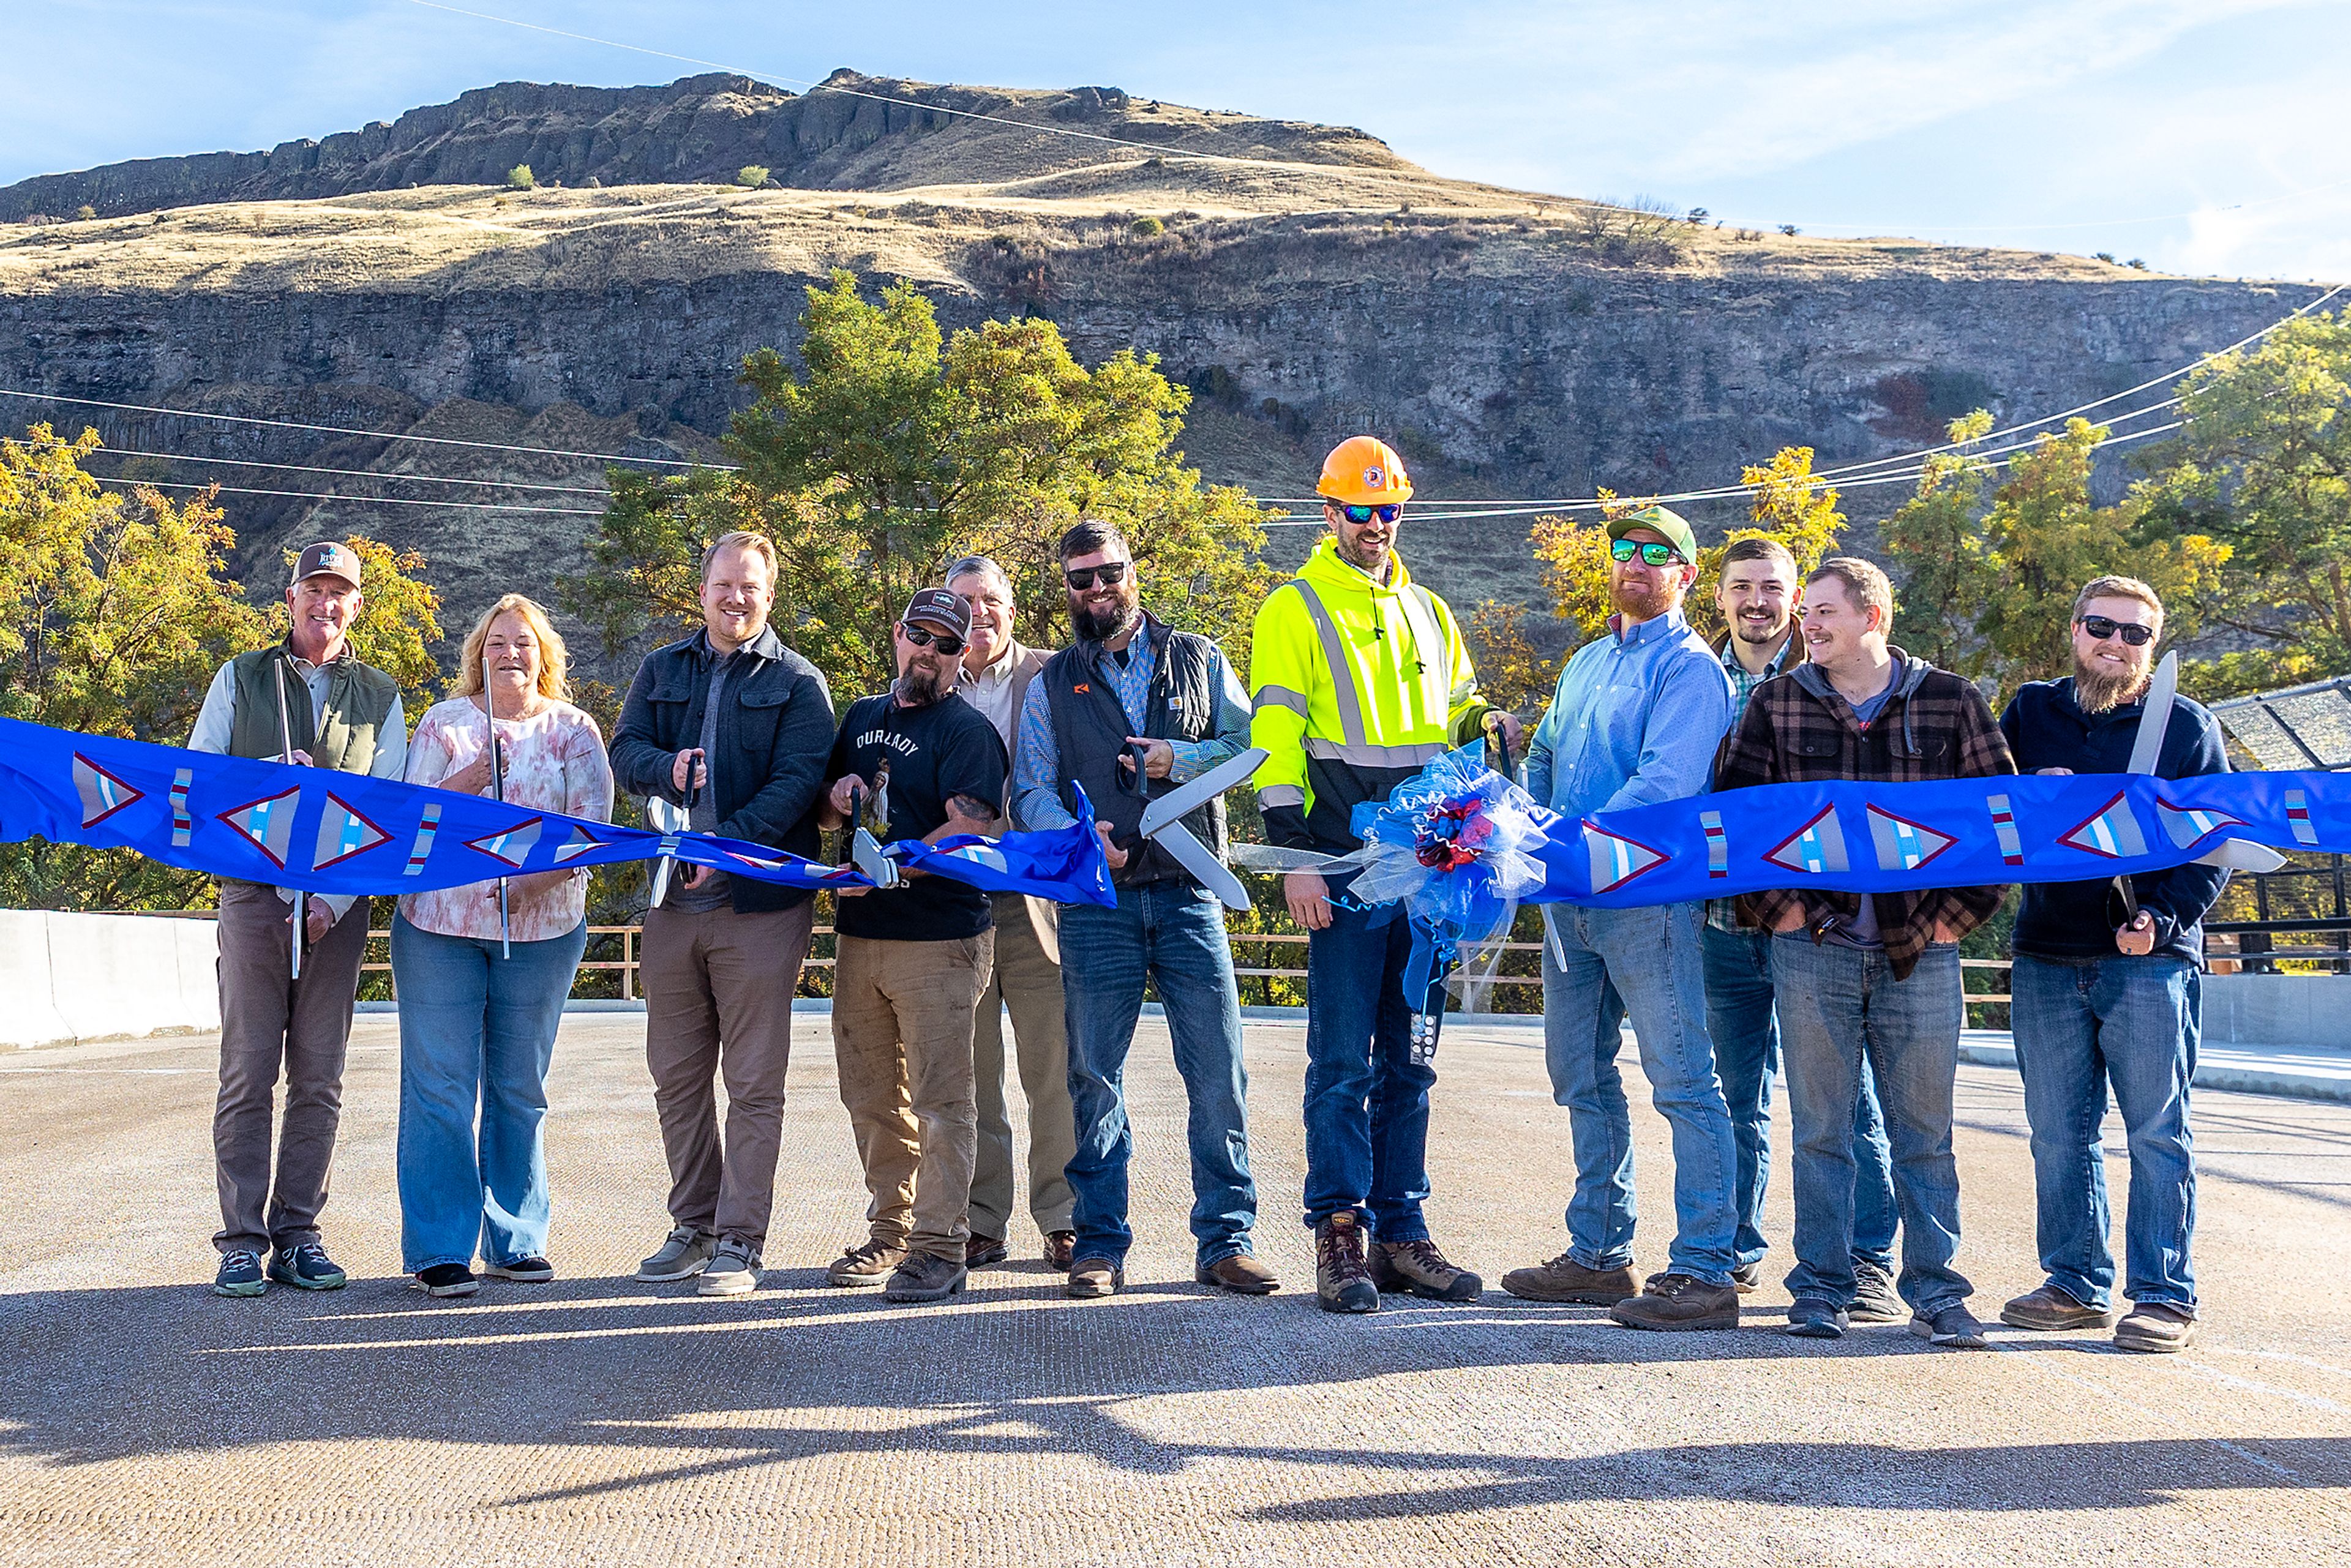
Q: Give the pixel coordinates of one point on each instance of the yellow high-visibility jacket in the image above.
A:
(1356, 685)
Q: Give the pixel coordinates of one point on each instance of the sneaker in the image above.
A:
(1811, 1319)
(1343, 1281)
(1240, 1273)
(682, 1257)
(531, 1271)
(733, 1271)
(1874, 1299)
(1673, 1301)
(1092, 1278)
(1954, 1327)
(981, 1251)
(445, 1279)
(307, 1268)
(1747, 1278)
(240, 1275)
(1565, 1279)
(2157, 1326)
(2052, 1311)
(869, 1264)
(1420, 1268)
(1060, 1249)
(925, 1277)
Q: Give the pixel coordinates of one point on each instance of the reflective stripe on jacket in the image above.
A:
(1354, 686)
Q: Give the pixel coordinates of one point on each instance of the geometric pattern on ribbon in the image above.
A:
(268, 822)
(1717, 847)
(577, 843)
(1617, 859)
(2186, 824)
(2297, 817)
(1816, 849)
(343, 832)
(183, 825)
(1903, 844)
(514, 844)
(428, 828)
(2112, 831)
(102, 794)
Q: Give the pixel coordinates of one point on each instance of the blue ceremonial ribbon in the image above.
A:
(325, 831)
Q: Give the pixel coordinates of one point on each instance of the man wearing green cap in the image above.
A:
(1635, 721)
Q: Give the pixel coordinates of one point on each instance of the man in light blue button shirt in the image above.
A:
(1635, 721)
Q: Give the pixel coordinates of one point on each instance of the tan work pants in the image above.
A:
(1029, 983)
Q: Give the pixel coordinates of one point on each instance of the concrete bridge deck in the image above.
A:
(596, 1421)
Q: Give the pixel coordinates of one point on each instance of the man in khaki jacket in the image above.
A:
(997, 670)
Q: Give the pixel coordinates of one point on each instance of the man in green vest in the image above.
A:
(312, 699)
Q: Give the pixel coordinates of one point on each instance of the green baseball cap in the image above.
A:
(1667, 525)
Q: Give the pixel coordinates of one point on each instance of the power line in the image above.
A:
(356, 500)
(347, 430)
(314, 468)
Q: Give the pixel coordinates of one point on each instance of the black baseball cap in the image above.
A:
(938, 608)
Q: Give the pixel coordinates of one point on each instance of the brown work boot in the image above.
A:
(1240, 1273)
(1678, 1301)
(1342, 1281)
(979, 1252)
(1093, 1277)
(869, 1264)
(1420, 1268)
(2156, 1326)
(2053, 1310)
(1060, 1249)
(1565, 1279)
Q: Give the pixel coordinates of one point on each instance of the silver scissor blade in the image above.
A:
(2148, 744)
(866, 855)
(665, 818)
(2242, 854)
(1172, 806)
(1194, 856)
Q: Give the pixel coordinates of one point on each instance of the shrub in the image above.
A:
(1790, 229)
(2105, 255)
(1148, 228)
(2138, 262)
(84, 213)
(752, 176)
(520, 177)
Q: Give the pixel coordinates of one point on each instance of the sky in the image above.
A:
(2203, 136)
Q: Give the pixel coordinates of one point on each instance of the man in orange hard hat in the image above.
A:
(1358, 676)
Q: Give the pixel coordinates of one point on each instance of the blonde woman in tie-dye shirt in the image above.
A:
(477, 1019)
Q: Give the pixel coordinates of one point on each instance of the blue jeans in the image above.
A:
(1745, 1034)
(1646, 962)
(2134, 1023)
(1840, 1007)
(1366, 1098)
(1172, 933)
(476, 1032)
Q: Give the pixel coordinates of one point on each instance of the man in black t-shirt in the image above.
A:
(910, 961)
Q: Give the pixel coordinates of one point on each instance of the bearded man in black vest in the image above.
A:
(1135, 709)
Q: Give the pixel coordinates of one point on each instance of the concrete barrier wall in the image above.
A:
(67, 978)
(2278, 1010)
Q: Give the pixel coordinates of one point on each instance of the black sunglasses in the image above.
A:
(1362, 515)
(1111, 572)
(920, 638)
(1654, 552)
(2101, 627)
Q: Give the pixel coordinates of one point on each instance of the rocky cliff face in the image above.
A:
(1512, 345)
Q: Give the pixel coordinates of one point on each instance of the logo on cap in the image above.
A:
(1375, 478)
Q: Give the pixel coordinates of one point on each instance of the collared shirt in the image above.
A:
(1635, 720)
(716, 889)
(990, 691)
(1036, 760)
(1722, 914)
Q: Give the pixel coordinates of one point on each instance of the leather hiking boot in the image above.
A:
(2053, 1310)
(925, 1277)
(1874, 1299)
(1810, 1318)
(1343, 1281)
(1565, 1279)
(1747, 1278)
(2156, 1326)
(1060, 1249)
(1420, 1268)
(979, 1250)
(1673, 1301)
(1240, 1273)
(1090, 1278)
(1952, 1327)
(868, 1264)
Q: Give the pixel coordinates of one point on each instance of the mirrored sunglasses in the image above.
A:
(2102, 628)
(1362, 515)
(923, 637)
(1653, 551)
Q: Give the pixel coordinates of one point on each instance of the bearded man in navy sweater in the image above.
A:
(2109, 995)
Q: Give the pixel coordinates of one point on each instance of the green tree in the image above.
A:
(2263, 467)
(891, 448)
(1986, 587)
(520, 177)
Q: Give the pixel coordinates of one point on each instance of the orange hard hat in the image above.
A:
(1365, 471)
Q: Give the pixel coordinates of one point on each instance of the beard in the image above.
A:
(1100, 626)
(919, 686)
(1640, 604)
(2100, 690)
